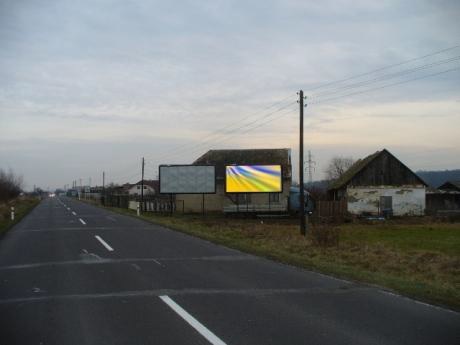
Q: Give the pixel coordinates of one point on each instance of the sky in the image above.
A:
(93, 86)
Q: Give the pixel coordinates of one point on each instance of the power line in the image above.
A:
(385, 68)
(388, 76)
(385, 86)
(207, 138)
(217, 135)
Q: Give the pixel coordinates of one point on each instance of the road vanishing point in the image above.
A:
(73, 273)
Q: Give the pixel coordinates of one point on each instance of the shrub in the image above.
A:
(324, 235)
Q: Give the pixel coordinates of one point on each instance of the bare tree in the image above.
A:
(10, 185)
(337, 166)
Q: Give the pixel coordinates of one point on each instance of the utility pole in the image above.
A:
(103, 188)
(142, 186)
(303, 229)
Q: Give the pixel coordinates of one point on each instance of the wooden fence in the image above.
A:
(326, 210)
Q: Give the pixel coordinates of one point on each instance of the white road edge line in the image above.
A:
(104, 243)
(73, 212)
(82, 221)
(211, 337)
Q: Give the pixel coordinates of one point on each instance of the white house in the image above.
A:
(151, 187)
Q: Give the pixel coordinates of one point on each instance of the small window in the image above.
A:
(138, 187)
(274, 197)
(145, 187)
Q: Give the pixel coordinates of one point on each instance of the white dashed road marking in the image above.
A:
(82, 221)
(104, 243)
(211, 337)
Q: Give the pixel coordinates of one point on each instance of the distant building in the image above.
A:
(445, 200)
(151, 187)
(380, 184)
(450, 186)
(245, 202)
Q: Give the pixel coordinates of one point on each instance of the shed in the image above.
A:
(380, 184)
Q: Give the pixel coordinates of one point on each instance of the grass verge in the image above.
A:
(22, 206)
(417, 260)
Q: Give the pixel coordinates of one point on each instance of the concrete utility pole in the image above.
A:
(142, 186)
(303, 229)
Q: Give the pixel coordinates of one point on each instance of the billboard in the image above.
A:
(253, 179)
(187, 179)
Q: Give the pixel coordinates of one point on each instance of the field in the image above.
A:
(22, 207)
(419, 260)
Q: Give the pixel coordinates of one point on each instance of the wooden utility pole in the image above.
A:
(142, 186)
(301, 182)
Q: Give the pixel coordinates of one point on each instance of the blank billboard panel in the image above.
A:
(187, 179)
(253, 179)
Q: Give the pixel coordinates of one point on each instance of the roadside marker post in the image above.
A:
(12, 213)
(138, 209)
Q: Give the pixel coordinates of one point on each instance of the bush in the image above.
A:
(324, 235)
(10, 185)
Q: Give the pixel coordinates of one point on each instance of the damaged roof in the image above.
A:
(361, 164)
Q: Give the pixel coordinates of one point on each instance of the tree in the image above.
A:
(337, 166)
(10, 185)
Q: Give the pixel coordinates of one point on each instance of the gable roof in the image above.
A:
(245, 156)
(450, 185)
(152, 183)
(359, 166)
(222, 158)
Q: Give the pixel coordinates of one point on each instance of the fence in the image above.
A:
(334, 210)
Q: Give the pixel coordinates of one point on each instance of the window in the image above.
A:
(274, 197)
(138, 187)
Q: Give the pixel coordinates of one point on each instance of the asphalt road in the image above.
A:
(71, 273)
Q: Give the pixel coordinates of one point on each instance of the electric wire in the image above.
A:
(385, 68)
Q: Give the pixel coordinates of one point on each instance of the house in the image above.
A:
(445, 200)
(380, 184)
(151, 187)
(222, 201)
(450, 186)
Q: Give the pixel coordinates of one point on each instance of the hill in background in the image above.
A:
(437, 178)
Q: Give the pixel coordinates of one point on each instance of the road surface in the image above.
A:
(72, 273)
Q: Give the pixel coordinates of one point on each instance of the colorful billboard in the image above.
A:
(253, 179)
(187, 179)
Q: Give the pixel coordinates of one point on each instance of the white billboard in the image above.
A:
(187, 179)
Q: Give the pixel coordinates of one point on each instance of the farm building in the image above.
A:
(450, 186)
(380, 184)
(243, 202)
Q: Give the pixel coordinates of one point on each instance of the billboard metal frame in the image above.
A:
(187, 165)
(268, 165)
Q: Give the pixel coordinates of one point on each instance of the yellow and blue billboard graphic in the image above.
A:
(253, 179)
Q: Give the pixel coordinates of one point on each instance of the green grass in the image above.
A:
(434, 237)
(417, 260)
(22, 206)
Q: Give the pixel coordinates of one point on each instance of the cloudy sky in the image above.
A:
(88, 86)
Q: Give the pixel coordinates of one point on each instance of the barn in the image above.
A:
(380, 184)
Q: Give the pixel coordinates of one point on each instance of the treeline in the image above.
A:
(10, 185)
